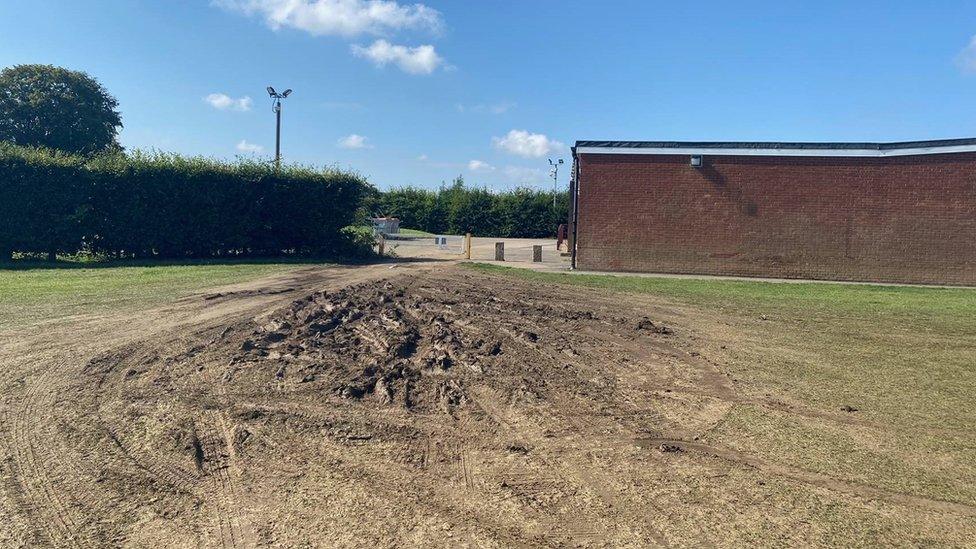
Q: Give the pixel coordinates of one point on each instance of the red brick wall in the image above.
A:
(898, 219)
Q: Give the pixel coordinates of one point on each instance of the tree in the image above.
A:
(48, 106)
(472, 210)
(411, 205)
(456, 208)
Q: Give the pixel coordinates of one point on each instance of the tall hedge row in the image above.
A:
(162, 205)
(457, 209)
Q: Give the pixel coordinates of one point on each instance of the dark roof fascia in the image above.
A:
(773, 145)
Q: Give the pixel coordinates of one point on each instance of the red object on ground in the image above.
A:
(560, 236)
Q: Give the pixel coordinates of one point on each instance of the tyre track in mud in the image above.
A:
(120, 454)
(232, 524)
(717, 386)
(70, 493)
(438, 496)
(219, 464)
(578, 473)
(860, 490)
(52, 495)
(216, 485)
(59, 521)
(433, 495)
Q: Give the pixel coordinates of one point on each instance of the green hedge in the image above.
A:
(161, 205)
(457, 209)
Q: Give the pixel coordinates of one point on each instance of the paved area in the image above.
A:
(518, 251)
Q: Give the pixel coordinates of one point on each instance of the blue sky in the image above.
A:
(411, 93)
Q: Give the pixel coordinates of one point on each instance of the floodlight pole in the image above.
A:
(276, 107)
(554, 172)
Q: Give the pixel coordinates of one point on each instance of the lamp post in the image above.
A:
(276, 107)
(554, 173)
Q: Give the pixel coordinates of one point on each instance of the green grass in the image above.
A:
(951, 304)
(36, 292)
(905, 357)
(414, 232)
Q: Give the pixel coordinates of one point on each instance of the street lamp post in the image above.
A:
(554, 173)
(276, 107)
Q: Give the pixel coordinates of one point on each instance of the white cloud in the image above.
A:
(967, 57)
(339, 17)
(480, 166)
(420, 60)
(354, 141)
(528, 145)
(422, 158)
(246, 147)
(223, 102)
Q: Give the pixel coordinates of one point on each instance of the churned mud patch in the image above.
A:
(449, 408)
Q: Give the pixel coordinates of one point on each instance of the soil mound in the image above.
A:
(407, 343)
(370, 341)
(425, 394)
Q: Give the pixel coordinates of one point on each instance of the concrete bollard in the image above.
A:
(537, 254)
(499, 251)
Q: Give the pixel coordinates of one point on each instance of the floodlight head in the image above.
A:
(272, 92)
(550, 162)
(696, 161)
(560, 160)
(287, 93)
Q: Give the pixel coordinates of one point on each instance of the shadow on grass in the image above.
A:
(38, 264)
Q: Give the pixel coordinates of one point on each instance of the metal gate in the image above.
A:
(425, 246)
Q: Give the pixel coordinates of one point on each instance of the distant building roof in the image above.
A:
(745, 148)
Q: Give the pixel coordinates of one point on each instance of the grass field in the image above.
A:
(904, 357)
(44, 292)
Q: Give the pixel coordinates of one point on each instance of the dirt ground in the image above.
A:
(421, 405)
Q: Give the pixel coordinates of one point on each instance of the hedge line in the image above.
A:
(163, 205)
(457, 209)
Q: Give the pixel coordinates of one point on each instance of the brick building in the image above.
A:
(891, 212)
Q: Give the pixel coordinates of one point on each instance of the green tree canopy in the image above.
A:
(48, 106)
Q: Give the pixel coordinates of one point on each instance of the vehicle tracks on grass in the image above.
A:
(224, 493)
(568, 470)
(64, 478)
(717, 386)
(54, 512)
(860, 490)
(119, 453)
